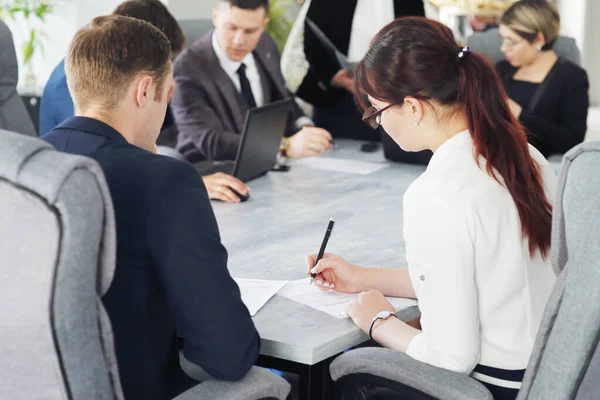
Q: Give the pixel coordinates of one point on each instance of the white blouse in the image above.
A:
(369, 17)
(480, 294)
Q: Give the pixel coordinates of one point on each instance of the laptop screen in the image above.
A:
(259, 145)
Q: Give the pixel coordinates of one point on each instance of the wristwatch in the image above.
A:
(380, 315)
(284, 147)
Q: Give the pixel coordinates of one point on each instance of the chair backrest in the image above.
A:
(13, 114)
(488, 43)
(565, 363)
(57, 258)
(194, 29)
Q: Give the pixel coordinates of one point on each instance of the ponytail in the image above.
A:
(501, 140)
(419, 57)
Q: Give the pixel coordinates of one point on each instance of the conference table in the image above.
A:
(269, 236)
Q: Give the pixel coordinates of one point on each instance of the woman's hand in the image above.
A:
(333, 272)
(363, 309)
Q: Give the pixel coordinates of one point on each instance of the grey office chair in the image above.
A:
(57, 259)
(13, 114)
(488, 43)
(194, 29)
(565, 363)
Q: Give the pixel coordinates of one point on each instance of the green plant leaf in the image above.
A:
(29, 48)
(280, 25)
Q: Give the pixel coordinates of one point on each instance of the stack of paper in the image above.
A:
(331, 302)
(256, 292)
(340, 165)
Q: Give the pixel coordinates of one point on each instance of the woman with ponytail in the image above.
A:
(476, 223)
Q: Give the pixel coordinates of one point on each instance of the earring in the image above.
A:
(416, 123)
(539, 47)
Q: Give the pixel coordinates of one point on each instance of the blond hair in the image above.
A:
(530, 17)
(108, 54)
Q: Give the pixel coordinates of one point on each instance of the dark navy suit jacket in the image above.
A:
(171, 270)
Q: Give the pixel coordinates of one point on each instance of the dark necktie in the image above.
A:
(246, 88)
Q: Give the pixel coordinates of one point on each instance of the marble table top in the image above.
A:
(269, 236)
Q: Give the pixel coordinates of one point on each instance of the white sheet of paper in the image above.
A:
(331, 302)
(256, 292)
(340, 165)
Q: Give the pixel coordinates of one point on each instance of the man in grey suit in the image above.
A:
(231, 69)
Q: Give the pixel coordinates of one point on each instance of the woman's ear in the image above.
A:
(415, 108)
(539, 41)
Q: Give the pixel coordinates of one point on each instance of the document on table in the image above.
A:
(330, 302)
(256, 292)
(340, 165)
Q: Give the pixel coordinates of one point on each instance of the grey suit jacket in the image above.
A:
(208, 109)
(13, 114)
(488, 43)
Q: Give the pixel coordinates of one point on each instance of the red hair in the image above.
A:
(418, 57)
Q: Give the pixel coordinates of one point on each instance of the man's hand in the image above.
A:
(309, 141)
(342, 80)
(219, 187)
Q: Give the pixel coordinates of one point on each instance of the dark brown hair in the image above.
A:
(418, 57)
(157, 14)
(249, 4)
(105, 56)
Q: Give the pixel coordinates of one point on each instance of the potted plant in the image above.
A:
(280, 23)
(26, 16)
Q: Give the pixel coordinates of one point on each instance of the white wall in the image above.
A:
(580, 21)
(572, 15)
(591, 49)
(191, 9)
(60, 26)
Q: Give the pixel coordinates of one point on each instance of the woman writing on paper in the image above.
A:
(476, 223)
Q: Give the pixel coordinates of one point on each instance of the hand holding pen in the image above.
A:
(329, 271)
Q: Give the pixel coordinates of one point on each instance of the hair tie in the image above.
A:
(462, 53)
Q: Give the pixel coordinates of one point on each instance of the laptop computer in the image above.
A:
(259, 145)
(340, 57)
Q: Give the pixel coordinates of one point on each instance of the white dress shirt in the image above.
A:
(231, 68)
(369, 17)
(480, 294)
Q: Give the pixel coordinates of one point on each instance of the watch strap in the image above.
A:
(377, 318)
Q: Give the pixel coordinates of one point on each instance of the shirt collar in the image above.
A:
(461, 140)
(230, 67)
(93, 126)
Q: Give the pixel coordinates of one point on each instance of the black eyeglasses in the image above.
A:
(372, 116)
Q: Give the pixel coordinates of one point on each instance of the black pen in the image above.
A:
(322, 249)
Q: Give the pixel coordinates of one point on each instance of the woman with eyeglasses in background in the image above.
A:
(477, 222)
(547, 94)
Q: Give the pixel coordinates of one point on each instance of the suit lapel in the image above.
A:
(232, 101)
(270, 63)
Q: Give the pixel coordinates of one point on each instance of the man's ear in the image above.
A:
(215, 15)
(142, 95)
(266, 22)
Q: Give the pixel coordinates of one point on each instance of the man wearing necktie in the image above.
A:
(231, 69)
